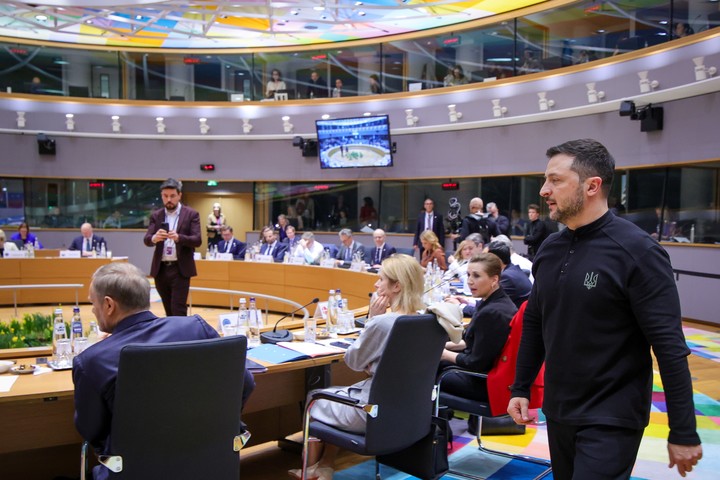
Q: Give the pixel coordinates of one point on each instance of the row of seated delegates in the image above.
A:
(291, 239)
(215, 220)
(484, 337)
(348, 249)
(309, 249)
(270, 244)
(275, 84)
(23, 236)
(432, 250)
(399, 290)
(230, 244)
(120, 295)
(88, 243)
(5, 245)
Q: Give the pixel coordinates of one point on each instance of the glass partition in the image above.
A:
(675, 203)
(555, 38)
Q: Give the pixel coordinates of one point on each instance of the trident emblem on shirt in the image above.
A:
(590, 280)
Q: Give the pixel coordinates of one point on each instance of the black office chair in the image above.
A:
(177, 411)
(400, 406)
(499, 381)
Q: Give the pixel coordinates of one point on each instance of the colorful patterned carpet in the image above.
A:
(651, 463)
(703, 343)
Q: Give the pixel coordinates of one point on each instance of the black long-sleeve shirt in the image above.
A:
(603, 295)
(487, 333)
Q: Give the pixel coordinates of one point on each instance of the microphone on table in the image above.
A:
(360, 322)
(283, 335)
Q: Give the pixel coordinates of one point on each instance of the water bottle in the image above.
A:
(242, 319)
(286, 257)
(332, 312)
(254, 324)
(338, 301)
(76, 327)
(30, 250)
(59, 332)
(93, 334)
(103, 250)
(692, 233)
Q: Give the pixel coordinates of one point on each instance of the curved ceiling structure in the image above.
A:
(208, 24)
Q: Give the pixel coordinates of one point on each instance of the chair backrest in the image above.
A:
(502, 375)
(403, 383)
(177, 409)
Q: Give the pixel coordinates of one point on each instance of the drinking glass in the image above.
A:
(63, 353)
(345, 322)
(79, 345)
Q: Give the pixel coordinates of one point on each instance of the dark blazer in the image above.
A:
(237, 248)
(516, 284)
(355, 247)
(475, 223)
(438, 228)
(188, 229)
(291, 243)
(387, 250)
(278, 251)
(502, 223)
(95, 370)
(78, 242)
(537, 233)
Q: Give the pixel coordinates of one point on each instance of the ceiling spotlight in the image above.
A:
(498, 110)
(367, 114)
(287, 126)
(325, 117)
(593, 95)
(247, 127)
(647, 85)
(204, 127)
(40, 17)
(453, 114)
(70, 122)
(20, 119)
(160, 125)
(544, 103)
(411, 119)
(116, 123)
(361, 13)
(701, 73)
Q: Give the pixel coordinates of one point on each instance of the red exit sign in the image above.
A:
(451, 42)
(451, 186)
(96, 185)
(191, 60)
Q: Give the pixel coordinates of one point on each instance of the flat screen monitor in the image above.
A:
(354, 142)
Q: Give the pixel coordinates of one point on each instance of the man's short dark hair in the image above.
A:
(501, 250)
(590, 159)
(534, 206)
(226, 228)
(171, 183)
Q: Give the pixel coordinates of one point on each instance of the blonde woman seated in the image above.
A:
(399, 287)
(432, 250)
(459, 261)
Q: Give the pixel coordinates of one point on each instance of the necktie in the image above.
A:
(270, 249)
(428, 222)
(348, 251)
(379, 254)
(87, 245)
(227, 248)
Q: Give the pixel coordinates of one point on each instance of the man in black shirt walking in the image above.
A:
(604, 294)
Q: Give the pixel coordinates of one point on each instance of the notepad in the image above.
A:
(291, 351)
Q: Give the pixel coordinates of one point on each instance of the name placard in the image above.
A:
(328, 263)
(297, 260)
(357, 266)
(15, 254)
(264, 258)
(70, 253)
(197, 256)
(224, 256)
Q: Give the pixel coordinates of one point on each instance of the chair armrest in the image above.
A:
(370, 409)
(445, 373)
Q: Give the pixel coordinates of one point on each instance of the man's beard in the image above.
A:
(170, 207)
(562, 215)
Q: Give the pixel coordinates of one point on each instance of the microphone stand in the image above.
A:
(283, 335)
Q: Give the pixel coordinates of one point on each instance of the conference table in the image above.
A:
(38, 438)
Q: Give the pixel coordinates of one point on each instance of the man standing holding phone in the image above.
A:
(174, 231)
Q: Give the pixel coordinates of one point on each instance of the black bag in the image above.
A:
(426, 459)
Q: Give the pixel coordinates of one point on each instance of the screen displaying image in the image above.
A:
(354, 142)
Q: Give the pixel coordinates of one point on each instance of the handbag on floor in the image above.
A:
(426, 459)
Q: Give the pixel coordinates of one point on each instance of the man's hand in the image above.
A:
(684, 456)
(518, 410)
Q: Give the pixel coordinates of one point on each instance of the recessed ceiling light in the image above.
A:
(663, 22)
(41, 17)
(294, 12)
(138, 17)
(361, 13)
(357, 4)
(601, 30)
(88, 21)
(319, 8)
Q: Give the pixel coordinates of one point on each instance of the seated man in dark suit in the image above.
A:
(271, 245)
(291, 240)
(381, 250)
(229, 244)
(348, 249)
(87, 243)
(120, 295)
